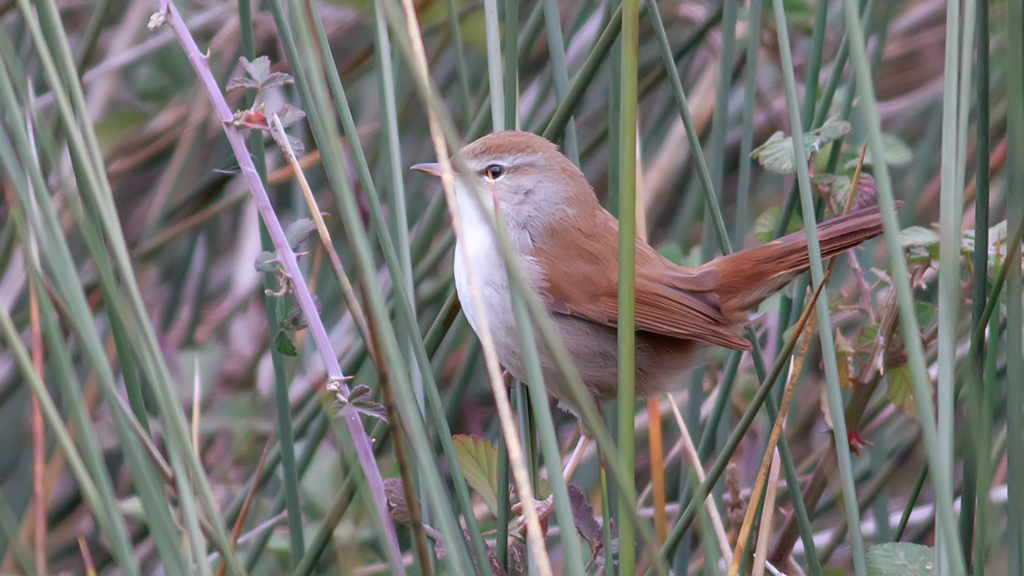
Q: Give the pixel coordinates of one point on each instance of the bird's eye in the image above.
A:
(494, 171)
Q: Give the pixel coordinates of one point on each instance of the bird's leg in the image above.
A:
(575, 457)
(546, 507)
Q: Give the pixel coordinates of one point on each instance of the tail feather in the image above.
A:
(744, 282)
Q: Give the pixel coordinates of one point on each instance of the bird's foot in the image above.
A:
(544, 509)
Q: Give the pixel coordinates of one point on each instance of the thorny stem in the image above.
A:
(169, 15)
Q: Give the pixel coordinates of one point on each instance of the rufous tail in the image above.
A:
(749, 276)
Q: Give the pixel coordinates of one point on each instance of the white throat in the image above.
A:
(478, 244)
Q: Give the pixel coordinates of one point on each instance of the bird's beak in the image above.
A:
(431, 168)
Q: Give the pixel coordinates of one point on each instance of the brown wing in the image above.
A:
(670, 300)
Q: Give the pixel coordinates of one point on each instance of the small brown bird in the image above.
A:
(568, 246)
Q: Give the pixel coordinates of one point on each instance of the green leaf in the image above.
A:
(901, 559)
(258, 69)
(276, 79)
(114, 127)
(799, 15)
(925, 313)
(289, 115)
(267, 261)
(836, 187)
(672, 253)
(360, 399)
(299, 230)
(776, 154)
(241, 82)
(901, 389)
(283, 344)
(768, 221)
(479, 461)
(997, 247)
(896, 152)
(867, 336)
(916, 236)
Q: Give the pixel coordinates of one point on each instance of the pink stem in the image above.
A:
(360, 439)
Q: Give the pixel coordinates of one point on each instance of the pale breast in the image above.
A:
(488, 269)
(661, 361)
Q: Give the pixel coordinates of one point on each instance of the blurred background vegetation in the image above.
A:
(163, 408)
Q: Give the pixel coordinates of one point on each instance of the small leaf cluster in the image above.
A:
(286, 309)
(258, 77)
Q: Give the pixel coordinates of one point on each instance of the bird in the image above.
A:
(567, 244)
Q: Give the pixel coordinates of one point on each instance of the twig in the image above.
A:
(169, 15)
(773, 440)
(236, 532)
(686, 441)
(765, 531)
(347, 291)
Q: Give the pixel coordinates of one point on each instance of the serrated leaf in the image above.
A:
(298, 146)
(776, 154)
(837, 188)
(289, 313)
(242, 82)
(896, 152)
(276, 79)
(583, 515)
(915, 236)
(587, 525)
(901, 389)
(360, 399)
(997, 247)
(284, 345)
(286, 308)
(289, 115)
(834, 186)
(397, 503)
(900, 559)
(479, 461)
(768, 221)
(258, 69)
(831, 130)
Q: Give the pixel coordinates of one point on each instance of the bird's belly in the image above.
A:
(491, 280)
(661, 362)
(593, 348)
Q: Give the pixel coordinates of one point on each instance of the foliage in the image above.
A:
(167, 386)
